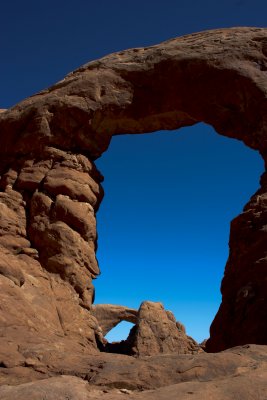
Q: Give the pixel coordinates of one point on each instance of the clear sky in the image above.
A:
(164, 223)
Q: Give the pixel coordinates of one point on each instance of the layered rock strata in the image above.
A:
(50, 189)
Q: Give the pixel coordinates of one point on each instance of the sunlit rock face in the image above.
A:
(109, 316)
(158, 332)
(51, 189)
(155, 330)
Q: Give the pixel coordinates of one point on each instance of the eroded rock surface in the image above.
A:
(155, 330)
(109, 315)
(50, 190)
(237, 373)
(218, 77)
(47, 263)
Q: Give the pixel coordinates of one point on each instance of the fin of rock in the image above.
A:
(156, 330)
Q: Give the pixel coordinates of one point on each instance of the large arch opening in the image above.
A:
(217, 77)
(164, 223)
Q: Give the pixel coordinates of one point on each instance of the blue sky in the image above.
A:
(164, 223)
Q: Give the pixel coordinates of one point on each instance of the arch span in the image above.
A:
(109, 316)
(49, 141)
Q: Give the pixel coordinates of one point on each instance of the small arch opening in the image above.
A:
(119, 339)
(119, 332)
(164, 222)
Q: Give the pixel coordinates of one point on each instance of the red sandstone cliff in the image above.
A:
(50, 189)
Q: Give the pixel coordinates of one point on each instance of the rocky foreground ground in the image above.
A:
(238, 373)
(164, 363)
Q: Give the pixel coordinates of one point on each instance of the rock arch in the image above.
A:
(50, 188)
(109, 316)
(155, 330)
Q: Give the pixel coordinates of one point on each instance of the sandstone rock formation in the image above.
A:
(109, 315)
(155, 330)
(239, 373)
(50, 191)
(47, 263)
(49, 141)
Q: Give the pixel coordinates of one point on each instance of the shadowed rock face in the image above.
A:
(50, 188)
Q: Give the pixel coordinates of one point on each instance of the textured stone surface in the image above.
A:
(50, 188)
(110, 315)
(47, 245)
(215, 76)
(61, 388)
(239, 373)
(157, 332)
